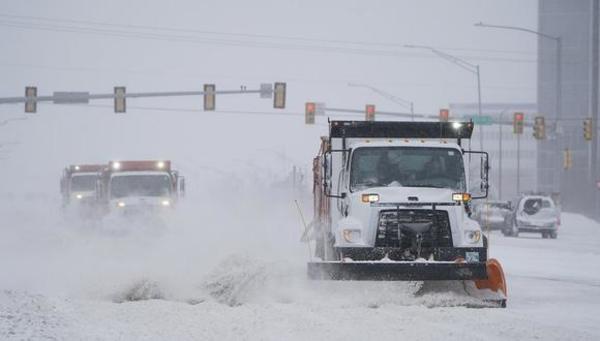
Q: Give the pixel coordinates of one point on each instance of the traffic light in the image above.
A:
(309, 113)
(209, 97)
(120, 103)
(588, 132)
(567, 159)
(539, 128)
(518, 123)
(444, 115)
(30, 99)
(279, 98)
(370, 112)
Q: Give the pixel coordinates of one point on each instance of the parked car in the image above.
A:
(492, 214)
(534, 213)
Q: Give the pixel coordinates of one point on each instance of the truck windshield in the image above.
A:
(407, 167)
(83, 183)
(140, 185)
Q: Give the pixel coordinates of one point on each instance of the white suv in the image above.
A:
(534, 213)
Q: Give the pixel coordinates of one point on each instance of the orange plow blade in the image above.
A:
(496, 282)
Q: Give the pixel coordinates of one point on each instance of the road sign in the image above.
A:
(483, 120)
(266, 90)
(71, 97)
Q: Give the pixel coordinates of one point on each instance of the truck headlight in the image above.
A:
(121, 204)
(79, 196)
(473, 237)
(461, 197)
(351, 236)
(370, 198)
(165, 203)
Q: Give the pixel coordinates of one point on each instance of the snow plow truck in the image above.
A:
(392, 203)
(138, 187)
(78, 184)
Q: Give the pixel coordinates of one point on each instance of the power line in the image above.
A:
(249, 35)
(223, 76)
(120, 33)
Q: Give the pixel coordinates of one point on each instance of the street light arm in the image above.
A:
(514, 28)
(460, 62)
(395, 99)
(453, 59)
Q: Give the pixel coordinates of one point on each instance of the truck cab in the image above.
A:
(147, 186)
(78, 183)
(381, 174)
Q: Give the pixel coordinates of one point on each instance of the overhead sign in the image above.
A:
(71, 97)
(483, 120)
(266, 90)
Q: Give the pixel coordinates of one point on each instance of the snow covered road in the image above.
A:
(554, 293)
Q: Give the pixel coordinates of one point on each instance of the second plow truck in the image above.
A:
(138, 187)
(77, 187)
(392, 203)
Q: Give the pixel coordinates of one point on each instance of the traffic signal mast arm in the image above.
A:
(78, 97)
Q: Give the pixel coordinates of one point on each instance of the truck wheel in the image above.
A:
(545, 235)
(553, 235)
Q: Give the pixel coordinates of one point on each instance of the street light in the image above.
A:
(558, 41)
(558, 57)
(400, 101)
(473, 68)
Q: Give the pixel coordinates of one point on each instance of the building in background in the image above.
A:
(508, 157)
(574, 74)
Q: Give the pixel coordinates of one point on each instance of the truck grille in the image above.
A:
(394, 228)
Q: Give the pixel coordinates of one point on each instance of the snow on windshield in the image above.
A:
(408, 167)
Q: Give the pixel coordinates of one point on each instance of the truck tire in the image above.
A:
(553, 234)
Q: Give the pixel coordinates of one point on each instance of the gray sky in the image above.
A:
(98, 61)
(64, 48)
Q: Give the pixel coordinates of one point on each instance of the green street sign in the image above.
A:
(483, 120)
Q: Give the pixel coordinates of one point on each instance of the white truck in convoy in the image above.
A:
(77, 187)
(392, 202)
(138, 187)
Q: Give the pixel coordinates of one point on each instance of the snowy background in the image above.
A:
(228, 264)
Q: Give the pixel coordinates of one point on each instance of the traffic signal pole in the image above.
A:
(119, 95)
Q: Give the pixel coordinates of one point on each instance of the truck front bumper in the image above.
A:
(396, 271)
(386, 264)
